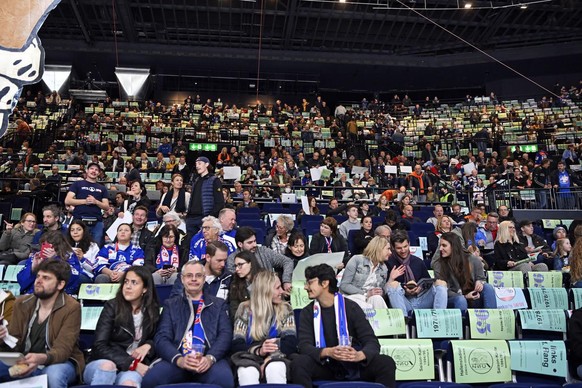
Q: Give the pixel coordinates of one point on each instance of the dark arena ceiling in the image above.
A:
(402, 33)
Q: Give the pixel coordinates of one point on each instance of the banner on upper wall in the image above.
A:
(21, 51)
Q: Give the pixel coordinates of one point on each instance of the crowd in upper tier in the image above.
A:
(228, 303)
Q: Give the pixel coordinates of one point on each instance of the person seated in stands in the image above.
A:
(408, 217)
(115, 164)
(53, 246)
(297, 247)
(46, 327)
(211, 231)
(464, 275)
(144, 163)
(419, 182)
(159, 165)
(177, 199)
(504, 214)
(247, 200)
(124, 336)
(15, 243)
(193, 337)
(278, 237)
(36, 173)
(576, 265)
(328, 240)
(342, 187)
(405, 271)
(166, 255)
(437, 214)
(393, 221)
(140, 235)
(334, 208)
(331, 328)
(510, 254)
(136, 196)
(165, 148)
(132, 171)
(120, 149)
(182, 168)
(352, 223)
(444, 225)
(489, 230)
(246, 269)
(457, 215)
(363, 236)
(51, 216)
(365, 275)
(264, 334)
(561, 256)
(116, 258)
(267, 258)
(535, 244)
(79, 238)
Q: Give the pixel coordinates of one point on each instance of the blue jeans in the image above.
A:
(435, 298)
(97, 232)
(542, 198)
(487, 300)
(94, 375)
(163, 372)
(58, 375)
(193, 225)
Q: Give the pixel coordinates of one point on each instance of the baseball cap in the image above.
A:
(203, 159)
(525, 223)
(94, 164)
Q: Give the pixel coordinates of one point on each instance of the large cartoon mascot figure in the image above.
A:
(21, 55)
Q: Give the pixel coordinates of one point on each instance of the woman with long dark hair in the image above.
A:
(246, 268)
(464, 275)
(79, 237)
(176, 199)
(53, 246)
(124, 336)
(137, 195)
(264, 333)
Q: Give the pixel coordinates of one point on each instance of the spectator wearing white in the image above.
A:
(352, 223)
(211, 231)
(437, 214)
(365, 275)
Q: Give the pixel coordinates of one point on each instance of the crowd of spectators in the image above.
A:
(228, 292)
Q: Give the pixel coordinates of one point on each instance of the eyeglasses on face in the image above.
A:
(240, 265)
(189, 276)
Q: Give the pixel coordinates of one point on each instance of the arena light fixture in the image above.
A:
(55, 76)
(468, 5)
(132, 81)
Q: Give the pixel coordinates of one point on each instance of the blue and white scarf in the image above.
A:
(341, 321)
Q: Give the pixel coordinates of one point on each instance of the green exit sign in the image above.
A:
(202, 147)
(526, 148)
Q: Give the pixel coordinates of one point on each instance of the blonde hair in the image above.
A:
(560, 246)
(373, 250)
(262, 307)
(20, 225)
(439, 224)
(503, 233)
(576, 262)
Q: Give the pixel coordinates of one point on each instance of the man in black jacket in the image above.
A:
(328, 352)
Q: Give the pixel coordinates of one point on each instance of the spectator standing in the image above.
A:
(206, 198)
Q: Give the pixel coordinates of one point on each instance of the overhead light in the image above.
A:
(523, 6)
(468, 5)
(132, 81)
(342, 1)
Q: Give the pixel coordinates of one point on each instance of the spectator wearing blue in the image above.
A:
(405, 270)
(206, 198)
(194, 336)
(563, 181)
(89, 199)
(464, 275)
(53, 246)
(211, 231)
(166, 147)
(218, 279)
(116, 258)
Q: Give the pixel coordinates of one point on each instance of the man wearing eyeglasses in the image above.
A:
(336, 341)
(194, 336)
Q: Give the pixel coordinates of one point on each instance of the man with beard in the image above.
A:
(206, 199)
(45, 328)
(51, 216)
